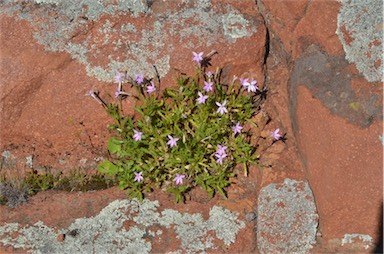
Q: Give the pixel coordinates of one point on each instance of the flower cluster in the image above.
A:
(183, 137)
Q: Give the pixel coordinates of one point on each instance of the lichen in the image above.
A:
(359, 27)
(105, 233)
(123, 45)
(351, 238)
(286, 219)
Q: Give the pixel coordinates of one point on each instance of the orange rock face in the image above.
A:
(320, 62)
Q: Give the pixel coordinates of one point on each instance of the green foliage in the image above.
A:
(201, 129)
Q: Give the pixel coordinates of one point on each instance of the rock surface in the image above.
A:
(321, 62)
(334, 96)
(287, 219)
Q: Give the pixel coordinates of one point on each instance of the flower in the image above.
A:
(220, 157)
(237, 128)
(208, 86)
(275, 134)
(138, 176)
(221, 149)
(137, 135)
(139, 78)
(221, 108)
(178, 179)
(244, 82)
(151, 88)
(252, 86)
(117, 93)
(119, 77)
(91, 93)
(202, 98)
(209, 74)
(197, 57)
(172, 141)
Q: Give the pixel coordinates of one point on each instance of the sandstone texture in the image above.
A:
(286, 218)
(321, 61)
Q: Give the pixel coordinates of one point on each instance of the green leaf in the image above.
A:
(108, 167)
(114, 145)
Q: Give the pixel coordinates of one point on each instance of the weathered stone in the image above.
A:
(286, 218)
(360, 29)
(317, 72)
(53, 52)
(343, 177)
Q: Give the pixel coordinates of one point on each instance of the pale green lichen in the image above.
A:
(352, 238)
(287, 219)
(105, 233)
(133, 49)
(360, 30)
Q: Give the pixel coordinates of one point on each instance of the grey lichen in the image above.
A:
(133, 48)
(286, 218)
(236, 26)
(352, 238)
(105, 233)
(360, 30)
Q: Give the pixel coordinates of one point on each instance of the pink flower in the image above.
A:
(220, 158)
(222, 108)
(209, 74)
(119, 77)
(244, 82)
(172, 141)
(197, 57)
(252, 86)
(138, 176)
(208, 86)
(178, 179)
(137, 135)
(221, 149)
(139, 78)
(202, 98)
(275, 134)
(237, 128)
(151, 88)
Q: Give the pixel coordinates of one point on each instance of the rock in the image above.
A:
(343, 175)
(53, 52)
(323, 67)
(286, 218)
(122, 225)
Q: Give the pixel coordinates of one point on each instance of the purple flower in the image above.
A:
(178, 179)
(137, 135)
(220, 158)
(222, 108)
(202, 98)
(95, 96)
(221, 149)
(139, 78)
(275, 134)
(151, 88)
(197, 57)
(244, 83)
(252, 86)
(119, 77)
(208, 86)
(138, 176)
(237, 128)
(91, 93)
(172, 141)
(209, 74)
